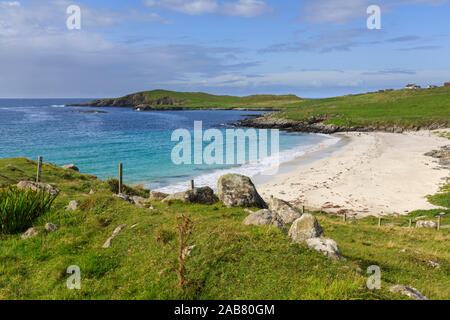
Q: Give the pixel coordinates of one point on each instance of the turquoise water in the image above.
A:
(97, 143)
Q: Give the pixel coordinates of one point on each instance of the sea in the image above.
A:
(97, 142)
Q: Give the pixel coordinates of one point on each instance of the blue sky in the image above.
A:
(311, 48)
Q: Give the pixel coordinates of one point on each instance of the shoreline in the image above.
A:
(373, 173)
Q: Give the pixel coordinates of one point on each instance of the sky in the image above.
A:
(311, 48)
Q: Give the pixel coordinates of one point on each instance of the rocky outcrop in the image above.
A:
(204, 195)
(73, 205)
(155, 195)
(307, 229)
(139, 201)
(116, 231)
(326, 246)
(426, 224)
(125, 197)
(50, 227)
(37, 186)
(304, 228)
(411, 292)
(31, 232)
(236, 190)
(316, 125)
(443, 156)
(133, 100)
(71, 167)
(284, 209)
(265, 217)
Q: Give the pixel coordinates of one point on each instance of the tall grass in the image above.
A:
(18, 208)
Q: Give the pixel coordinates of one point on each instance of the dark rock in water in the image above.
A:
(204, 195)
(89, 111)
(236, 190)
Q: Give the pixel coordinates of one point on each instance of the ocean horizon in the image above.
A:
(98, 142)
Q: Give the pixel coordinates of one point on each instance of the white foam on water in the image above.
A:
(58, 106)
(264, 166)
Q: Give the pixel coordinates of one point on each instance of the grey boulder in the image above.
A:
(426, 224)
(31, 232)
(236, 190)
(411, 292)
(37, 186)
(326, 246)
(204, 195)
(265, 217)
(284, 209)
(71, 167)
(304, 228)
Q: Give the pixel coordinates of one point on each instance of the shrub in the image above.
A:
(18, 208)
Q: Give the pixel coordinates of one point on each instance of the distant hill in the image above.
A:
(172, 100)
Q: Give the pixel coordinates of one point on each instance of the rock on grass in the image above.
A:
(236, 190)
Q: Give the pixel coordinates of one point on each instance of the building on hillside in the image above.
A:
(431, 86)
(447, 84)
(412, 86)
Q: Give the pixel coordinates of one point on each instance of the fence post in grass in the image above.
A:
(410, 223)
(345, 216)
(303, 209)
(120, 177)
(192, 185)
(379, 221)
(439, 223)
(39, 170)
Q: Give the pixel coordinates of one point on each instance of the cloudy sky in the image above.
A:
(312, 48)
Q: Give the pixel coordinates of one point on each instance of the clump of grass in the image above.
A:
(18, 208)
(113, 185)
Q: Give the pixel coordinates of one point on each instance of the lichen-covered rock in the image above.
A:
(50, 227)
(156, 195)
(426, 224)
(71, 167)
(204, 195)
(284, 209)
(304, 228)
(265, 217)
(125, 197)
(411, 292)
(37, 186)
(31, 232)
(239, 191)
(326, 246)
(139, 201)
(73, 205)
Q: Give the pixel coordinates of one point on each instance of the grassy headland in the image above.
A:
(230, 260)
(405, 109)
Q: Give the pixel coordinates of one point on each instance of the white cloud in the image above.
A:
(344, 11)
(10, 4)
(242, 8)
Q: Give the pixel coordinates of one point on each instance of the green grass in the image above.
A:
(230, 260)
(198, 100)
(405, 108)
(19, 208)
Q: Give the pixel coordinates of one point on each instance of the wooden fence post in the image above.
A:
(39, 170)
(379, 221)
(120, 177)
(439, 223)
(192, 184)
(303, 209)
(345, 216)
(410, 223)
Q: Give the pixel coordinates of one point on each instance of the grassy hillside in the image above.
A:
(198, 100)
(230, 260)
(405, 108)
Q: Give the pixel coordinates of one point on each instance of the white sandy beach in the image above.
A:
(375, 173)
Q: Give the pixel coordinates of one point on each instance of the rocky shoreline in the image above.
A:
(316, 125)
